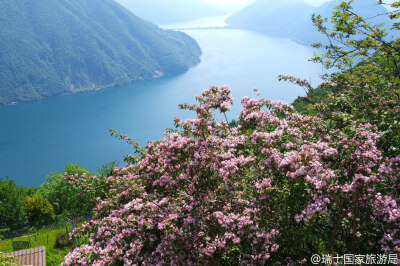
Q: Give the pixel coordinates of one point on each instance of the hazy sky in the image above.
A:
(228, 1)
(313, 2)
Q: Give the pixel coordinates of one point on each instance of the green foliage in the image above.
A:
(353, 39)
(56, 256)
(18, 203)
(58, 47)
(7, 261)
(67, 200)
(52, 202)
(233, 123)
(107, 168)
(40, 211)
(12, 209)
(366, 89)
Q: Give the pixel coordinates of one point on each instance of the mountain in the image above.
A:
(276, 18)
(171, 11)
(55, 47)
(292, 18)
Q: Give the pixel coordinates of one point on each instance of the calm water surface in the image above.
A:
(41, 137)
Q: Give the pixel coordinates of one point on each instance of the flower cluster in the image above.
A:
(278, 188)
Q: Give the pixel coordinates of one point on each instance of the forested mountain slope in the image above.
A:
(50, 48)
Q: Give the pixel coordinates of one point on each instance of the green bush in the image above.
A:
(66, 199)
(12, 209)
(7, 261)
(40, 211)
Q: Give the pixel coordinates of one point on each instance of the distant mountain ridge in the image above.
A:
(277, 18)
(55, 47)
(292, 18)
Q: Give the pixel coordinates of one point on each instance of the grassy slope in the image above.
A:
(53, 256)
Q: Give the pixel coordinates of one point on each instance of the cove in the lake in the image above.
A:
(41, 137)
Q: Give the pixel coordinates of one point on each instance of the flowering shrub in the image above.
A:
(277, 188)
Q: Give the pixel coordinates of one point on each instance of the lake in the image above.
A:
(41, 137)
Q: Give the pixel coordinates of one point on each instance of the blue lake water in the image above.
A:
(41, 137)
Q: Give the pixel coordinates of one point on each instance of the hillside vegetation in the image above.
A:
(51, 48)
(44, 214)
(284, 185)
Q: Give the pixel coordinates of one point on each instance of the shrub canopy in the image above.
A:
(279, 187)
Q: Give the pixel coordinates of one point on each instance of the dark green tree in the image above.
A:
(12, 210)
